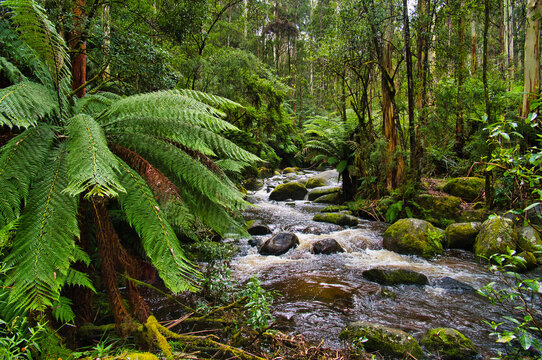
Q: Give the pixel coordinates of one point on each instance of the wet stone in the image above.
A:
(258, 228)
(279, 244)
(326, 247)
(453, 286)
(395, 276)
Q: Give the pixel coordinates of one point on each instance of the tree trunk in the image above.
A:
(488, 184)
(532, 55)
(459, 73)
(424, 30)
(410, 88)
(79, 46)
(474, 57)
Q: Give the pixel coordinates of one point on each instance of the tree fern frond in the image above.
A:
(209, 99)
(44, 245)
(180, 217)
(232, 166)
(157, 236)
(62, 310)
(24, 104)
(193, 137)
(10, 71)
(20, 159)
(95, 104)
(78, 278)
(7, 233)
(92, 166)
(39, 34)
(187, 170)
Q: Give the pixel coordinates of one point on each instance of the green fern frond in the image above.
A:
(20, 159)
(209, 99)
(44, 245)
(193, 137)
(231, 166)
(180, 217)
(157, 236)
(92, 166)
(95, 104)
(24, 104)
(10, 71)
(77, 278)
(188, 171)
(62, 310)
(7, 233)
(39, 34)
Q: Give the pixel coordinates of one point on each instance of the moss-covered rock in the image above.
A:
(292, 190)
(413, 237)
(317, 192)
(316, 181)
(439, 207)
(449, 344)
(386, 340)
(467, 188)
(253, 184)
(462, 235)
(530, 261)
(336, 218)
(333, 198)
(395, 276)
(529, 239)
(335, 208)
(264, 172)
(474, 215)
(495, 236)
(290, 170)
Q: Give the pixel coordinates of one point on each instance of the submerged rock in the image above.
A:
(278, 244)
(258, 228)
(413, 237)
(326, 247)
(462, 235)
(467, 188)
(316, 181)
(495, 236)
(453, 286)
(336, 218)
(292, 190)
(386, 340)
(318, 192)
(449, 344)
(395, 276)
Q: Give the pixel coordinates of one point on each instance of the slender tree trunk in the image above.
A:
(79, 46)
(532, 55)
(474, 57)
(410, 89)
(488, 184)
(459, 73)
(106, 21)
(245, 23)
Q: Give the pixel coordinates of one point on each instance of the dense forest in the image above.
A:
(138, 137)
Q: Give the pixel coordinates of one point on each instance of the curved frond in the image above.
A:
(95, 104)
(157, 236)
(44, 246)
(209, 99)
(39, 34)
(23, 104)
(20, 159)
(10, 71)
(91, 165)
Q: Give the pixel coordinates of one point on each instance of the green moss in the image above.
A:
(479, 215)
(462, 235)
(335, 208)
(318, 192)
(495, 236)
(386, 340)
(264, 172)
(529, 239)
(449, 344)
(395, 276)
(316, 181)
(292, 190)
(336, 218)
(413, 237)
(333, 198)
(439, 209)
(290, 170)
(467, 188)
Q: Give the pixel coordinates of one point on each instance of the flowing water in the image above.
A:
(323, 293)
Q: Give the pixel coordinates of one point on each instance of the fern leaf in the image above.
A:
(77, 278)
(10, 71)
(232, 166)
(95, 104)
(43, 248)
(209, 99)
(157, 236)
(62, 310)
(39, 34)
(92, 166)
(24, 104)
(20, 159)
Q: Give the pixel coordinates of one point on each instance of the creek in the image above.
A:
(321, 294)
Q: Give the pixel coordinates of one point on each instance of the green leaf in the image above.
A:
(506, 339)
(24, 104)
(342, 166)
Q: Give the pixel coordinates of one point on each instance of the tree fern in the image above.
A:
(10, 71)
(43, 248)
(95, 104)
(92, 166)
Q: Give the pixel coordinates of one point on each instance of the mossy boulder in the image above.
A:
(495, 236)
(336, 218)
(316, 181)
(317, 192)
(326, 246)
(395, 276)
(279, 244)
(292, 190)
(462, 235)
(290, 170)
(264, 172)
(253, 184)
(467, 188)
(335, 208)
(530, 261)
(440, 207)
(529, 239)
(333, 198)
(449, 344)
(413, 237)
(474, 215)
(386, 340)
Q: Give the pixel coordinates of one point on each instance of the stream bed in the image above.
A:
(321, 294)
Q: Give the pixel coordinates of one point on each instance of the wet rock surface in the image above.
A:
(278, 244)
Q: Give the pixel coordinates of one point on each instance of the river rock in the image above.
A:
(290, 170)
(529, 239)
(495, 236)
(326, 247)
(278, 244)
(386, 340)
(530, 261)
(252, 184)
(258, 228)
(336, 218)
(462, 235)
(292, 190)
(449, 344)
(395, 276)
(333, 198)
(316, 181)
(453, 286)
(318, 192)
(264, 172)
(335, 208)
(467, 188)
(413, 237)
(439, 208)
(474, 215)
